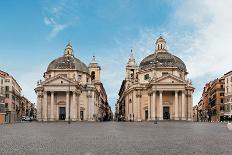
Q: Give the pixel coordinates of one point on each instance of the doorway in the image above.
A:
(82, 115)
(146, 114)
(166, 113)
(62, 113)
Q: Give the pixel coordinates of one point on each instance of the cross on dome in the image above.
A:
(94, 59)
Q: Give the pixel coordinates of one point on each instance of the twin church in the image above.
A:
(157, 89)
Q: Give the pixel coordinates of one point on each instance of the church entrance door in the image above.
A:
(82, 115)
(166, 113)
(146, 114)
(62, 113)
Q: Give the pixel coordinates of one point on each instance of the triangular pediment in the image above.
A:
(58, 80)
(169, 79)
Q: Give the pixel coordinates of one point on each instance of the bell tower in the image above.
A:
(160, 45)
(131, 68)
(95, 70)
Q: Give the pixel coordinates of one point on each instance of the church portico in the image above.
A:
(165, 98)
(53, 100)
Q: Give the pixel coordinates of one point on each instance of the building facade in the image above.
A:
(211, 104)
(71, 91)
(157, 89)
(216, 100)
(12, 99)
(11, 109)
(27, 108)
(2, 98)
(228, 96)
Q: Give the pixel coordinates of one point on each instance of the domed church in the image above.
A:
(72, 91)
(157, 89)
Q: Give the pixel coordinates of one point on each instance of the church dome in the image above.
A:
(68, 61)
(162, 58)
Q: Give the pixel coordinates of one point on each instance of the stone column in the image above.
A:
(67, 106)
(39, 106)
(74, 107)
(138, 107)
(149, 106)
(183, 106)
(153, 105)
(161, 105)
(126, 108)
(52, 106)
(89, 96)
(176, 106)
(190, 106)
(45, 107)
(78, 107)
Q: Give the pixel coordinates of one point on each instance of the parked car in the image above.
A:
(23, 118)
(27, 118)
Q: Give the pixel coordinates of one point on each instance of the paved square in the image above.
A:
(115, 138)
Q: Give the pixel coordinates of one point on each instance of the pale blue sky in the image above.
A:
(33, 33)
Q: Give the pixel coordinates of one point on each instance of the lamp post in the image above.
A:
(69, 92)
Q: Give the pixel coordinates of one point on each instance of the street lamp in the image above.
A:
(69, 93)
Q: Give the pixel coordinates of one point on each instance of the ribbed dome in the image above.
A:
(162, 59)
(68, 63)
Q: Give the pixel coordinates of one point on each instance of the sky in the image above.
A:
(33, 33)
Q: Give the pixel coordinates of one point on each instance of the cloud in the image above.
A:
(208, 47)
(58, 16)
(56, 28)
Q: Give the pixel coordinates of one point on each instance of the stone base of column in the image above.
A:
(90, 120)
(139, 120)
(183, 119)
(74, 119)
(160, 118)
(189, 119)
(39, 119)
(44, 119)
(153, 119)
(176, 118)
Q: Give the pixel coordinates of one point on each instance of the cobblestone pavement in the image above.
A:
(115, 138)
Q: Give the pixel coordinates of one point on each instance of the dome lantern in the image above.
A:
(68, 50)
(160, 45)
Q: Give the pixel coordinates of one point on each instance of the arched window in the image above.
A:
(92, 75)
(132, 73)
(161, 46)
